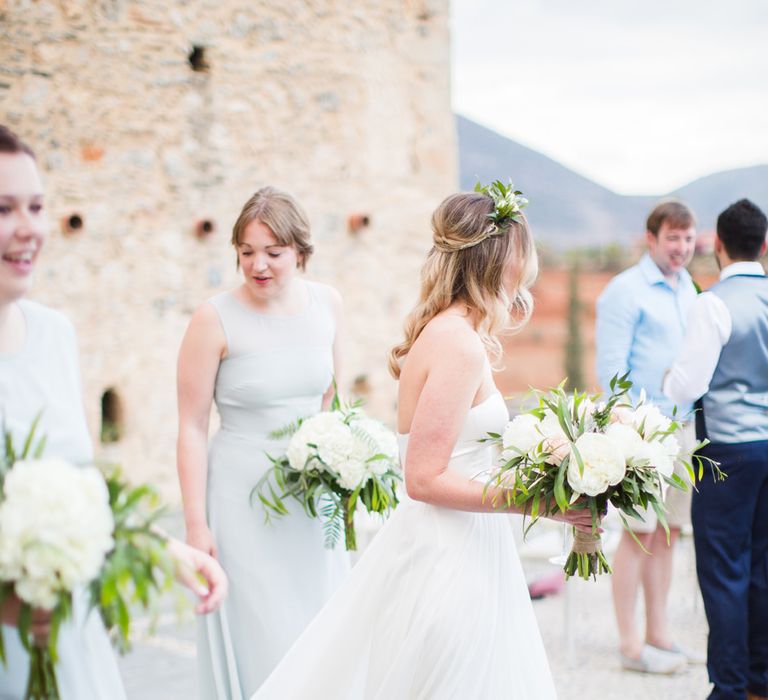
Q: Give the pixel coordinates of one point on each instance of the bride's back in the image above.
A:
(446, 337)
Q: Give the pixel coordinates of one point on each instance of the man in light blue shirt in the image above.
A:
(640, 329)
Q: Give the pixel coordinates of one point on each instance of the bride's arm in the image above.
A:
(454, 374)
(454, 364)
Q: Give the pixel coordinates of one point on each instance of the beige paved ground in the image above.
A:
(591, 668)
(162, 667)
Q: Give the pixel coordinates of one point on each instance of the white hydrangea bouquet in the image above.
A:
(63, 529)
(571, 452)
(55, 531)
(335, 460)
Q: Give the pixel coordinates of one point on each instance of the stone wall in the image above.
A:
(346, 105)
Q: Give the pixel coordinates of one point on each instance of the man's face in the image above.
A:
(672, 248)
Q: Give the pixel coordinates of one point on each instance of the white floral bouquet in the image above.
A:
(64, 528)
(571, 452)
(55, 531)
(335, 460)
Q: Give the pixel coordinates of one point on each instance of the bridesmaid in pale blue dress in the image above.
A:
(39, 369)
(266, 353)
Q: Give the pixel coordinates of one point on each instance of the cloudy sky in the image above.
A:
(640, 95)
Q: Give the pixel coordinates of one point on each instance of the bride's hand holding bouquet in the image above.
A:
(571, 453)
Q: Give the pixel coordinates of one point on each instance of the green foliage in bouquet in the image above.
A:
(557, 458)
(138, 570)
(32, 448)
(327, 490)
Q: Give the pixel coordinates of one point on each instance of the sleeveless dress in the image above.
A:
(45, 375)
(276, 371)
(436, 608)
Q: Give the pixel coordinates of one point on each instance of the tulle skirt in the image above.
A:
(437, 607)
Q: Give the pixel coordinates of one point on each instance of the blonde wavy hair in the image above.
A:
(467, 264)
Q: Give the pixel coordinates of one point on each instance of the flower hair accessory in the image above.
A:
(508, 202)
(507, 206)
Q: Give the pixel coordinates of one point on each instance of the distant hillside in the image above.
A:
(569, 210)
(711, 194)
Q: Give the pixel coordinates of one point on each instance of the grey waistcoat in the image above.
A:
(735, 409)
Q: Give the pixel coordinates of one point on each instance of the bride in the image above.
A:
(437, 607)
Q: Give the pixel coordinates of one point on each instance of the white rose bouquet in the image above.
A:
(334, 461)
(63, 529)
(571, 453)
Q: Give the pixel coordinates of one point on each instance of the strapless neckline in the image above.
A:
(471, 408)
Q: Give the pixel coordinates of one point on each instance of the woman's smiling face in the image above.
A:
(23, 224)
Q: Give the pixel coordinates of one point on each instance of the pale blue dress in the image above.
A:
(276, 371)
(45, 375)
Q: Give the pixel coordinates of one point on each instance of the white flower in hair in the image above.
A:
(508, 203)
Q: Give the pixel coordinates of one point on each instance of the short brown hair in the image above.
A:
(281, 213)
(10, 143)
(672, 212)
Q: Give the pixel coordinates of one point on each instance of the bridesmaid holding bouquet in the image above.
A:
(266, 354)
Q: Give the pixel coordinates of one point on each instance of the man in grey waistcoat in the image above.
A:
(724, 363)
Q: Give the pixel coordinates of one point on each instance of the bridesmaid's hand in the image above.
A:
(200, 537)
(201, 573)
(581, 519)
(41, 619)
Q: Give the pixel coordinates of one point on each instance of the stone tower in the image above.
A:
(155, 121)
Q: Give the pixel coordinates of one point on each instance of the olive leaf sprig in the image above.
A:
(508, 202)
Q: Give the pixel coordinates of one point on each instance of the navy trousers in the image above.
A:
(730, 531)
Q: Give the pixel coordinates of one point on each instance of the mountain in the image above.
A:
(711, 194)
(569, 210)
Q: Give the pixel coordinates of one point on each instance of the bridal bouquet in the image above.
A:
(570, 452)
(334, 461)
(63, 528)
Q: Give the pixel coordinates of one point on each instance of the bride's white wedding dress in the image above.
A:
(437, 607)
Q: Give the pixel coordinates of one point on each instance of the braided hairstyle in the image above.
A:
(467, 264)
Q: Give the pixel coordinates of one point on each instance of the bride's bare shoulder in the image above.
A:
(451, 336)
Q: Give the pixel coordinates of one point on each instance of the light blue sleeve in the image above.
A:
(617, 315)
